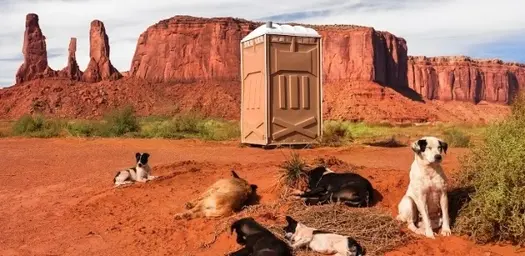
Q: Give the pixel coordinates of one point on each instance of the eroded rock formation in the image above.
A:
(99, 67)
(71, 70)
(35, 53)
(464, 79)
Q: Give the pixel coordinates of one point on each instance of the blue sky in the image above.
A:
(478, 28)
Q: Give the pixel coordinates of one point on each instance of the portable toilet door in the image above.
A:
(281, 101)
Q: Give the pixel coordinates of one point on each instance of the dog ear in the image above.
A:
(234, 226)
(419, 146)
(137, 156)
(235, 175)
(444, 146)
(290, 220)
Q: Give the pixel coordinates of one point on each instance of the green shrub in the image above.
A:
(83, 129)
(495, 170)
(336, 133)
(220, 130)
(119, 122)
(37, 126)
(191, 125)
(456, 138)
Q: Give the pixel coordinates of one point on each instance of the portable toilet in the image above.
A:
(281, 93)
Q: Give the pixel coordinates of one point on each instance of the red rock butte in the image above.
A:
(367, 75)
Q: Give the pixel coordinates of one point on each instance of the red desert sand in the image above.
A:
(57, 195)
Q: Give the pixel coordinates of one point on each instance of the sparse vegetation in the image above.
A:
(123, 122)
(191, 125)
(292, 173)
(37, 126)
(119, 122)
(456, 138)
(494, 170)
(336, 133)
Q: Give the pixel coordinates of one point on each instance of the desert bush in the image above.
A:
(336, 133)
(37, 126)
(119, 122)
(495, 169)
(292, 172)
(220, 130)
(456, 138)
(83, 129)
(191, 125)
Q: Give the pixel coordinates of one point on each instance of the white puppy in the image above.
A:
(426, 201)
(320, 241)
(141, 172)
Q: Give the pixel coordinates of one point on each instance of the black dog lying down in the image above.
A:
(257, 240)
(327, 186)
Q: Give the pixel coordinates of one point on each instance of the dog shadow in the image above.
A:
(457, 198)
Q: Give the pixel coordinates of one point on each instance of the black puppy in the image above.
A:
(327, 186)
(257, 240)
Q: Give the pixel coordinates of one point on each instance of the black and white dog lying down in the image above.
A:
(257, 240)
(326, 186)
(320, 241)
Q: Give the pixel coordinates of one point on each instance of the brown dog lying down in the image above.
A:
(221, 199)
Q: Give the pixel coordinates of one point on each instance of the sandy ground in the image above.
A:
(56, 195)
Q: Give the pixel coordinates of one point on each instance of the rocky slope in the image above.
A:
(464, 79)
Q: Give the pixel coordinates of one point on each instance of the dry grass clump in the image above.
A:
(374, 229)
(495, 169)
(292, 173)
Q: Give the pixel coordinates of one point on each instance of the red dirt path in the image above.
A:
(57, 196)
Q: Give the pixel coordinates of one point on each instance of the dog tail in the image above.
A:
(235, 225)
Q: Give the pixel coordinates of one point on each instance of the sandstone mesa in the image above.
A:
(360, 61)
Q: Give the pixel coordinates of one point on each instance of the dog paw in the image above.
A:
(296, 192)
(446, 232)
(188, 205)
(430, 234)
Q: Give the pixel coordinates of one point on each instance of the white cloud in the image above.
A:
(431, 27)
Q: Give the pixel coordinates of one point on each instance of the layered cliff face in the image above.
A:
(465, 79)
(187, 49)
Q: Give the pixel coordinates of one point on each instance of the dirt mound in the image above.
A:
(67, 99)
